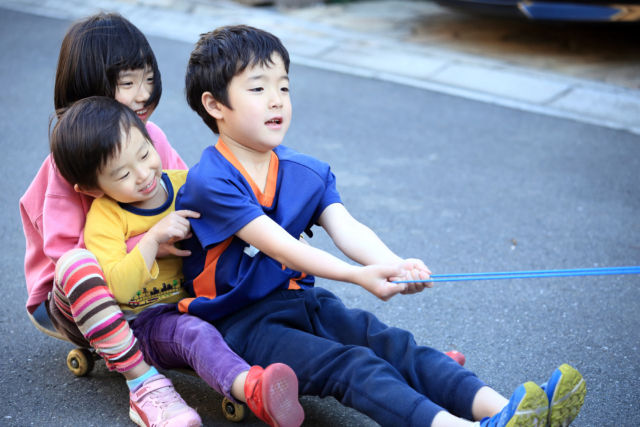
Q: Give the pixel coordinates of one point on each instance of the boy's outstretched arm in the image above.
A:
(268, 237)
(362, 245)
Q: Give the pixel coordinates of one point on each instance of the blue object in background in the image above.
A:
(568, 11)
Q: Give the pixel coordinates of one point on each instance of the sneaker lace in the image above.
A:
(169, 401)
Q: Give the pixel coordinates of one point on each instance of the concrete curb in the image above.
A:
(320, 46)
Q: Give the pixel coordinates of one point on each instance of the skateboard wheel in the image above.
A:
(233, 411)
(80, 361)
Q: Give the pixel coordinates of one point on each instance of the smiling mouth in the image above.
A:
(142, 112)
(150, 185)
(274, 121)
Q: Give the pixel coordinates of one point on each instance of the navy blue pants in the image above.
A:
(350, 355)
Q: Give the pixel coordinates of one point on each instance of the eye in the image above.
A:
(125, 84)
(123, 177)
(145, 156)
(284, 89)
(257, 89)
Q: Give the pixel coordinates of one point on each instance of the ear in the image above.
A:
(93, 193)
(213, 107)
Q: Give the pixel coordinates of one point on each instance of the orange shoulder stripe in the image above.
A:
(266, 198)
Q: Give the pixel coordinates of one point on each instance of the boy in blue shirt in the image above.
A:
(252, 278)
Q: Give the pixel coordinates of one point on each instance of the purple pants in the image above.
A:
(171, 340)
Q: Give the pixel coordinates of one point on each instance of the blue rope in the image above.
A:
(603, 271)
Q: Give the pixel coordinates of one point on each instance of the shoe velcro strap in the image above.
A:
(152, 386)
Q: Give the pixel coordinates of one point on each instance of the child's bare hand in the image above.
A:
(415, 270)
(173, 227)
(169, 248)
(377, 280)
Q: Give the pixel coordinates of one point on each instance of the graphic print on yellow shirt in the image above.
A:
(147, 296)
(110, 224)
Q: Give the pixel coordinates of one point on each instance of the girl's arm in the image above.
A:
(63, 217)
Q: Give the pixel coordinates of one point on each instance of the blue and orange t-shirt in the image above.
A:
(225, 274)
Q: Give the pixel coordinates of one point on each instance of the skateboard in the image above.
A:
(81, 361)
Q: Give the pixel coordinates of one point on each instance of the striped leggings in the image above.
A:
(83, 297)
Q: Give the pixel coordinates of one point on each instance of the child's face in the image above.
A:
(133, 176)
(134, 89)
(261, 106)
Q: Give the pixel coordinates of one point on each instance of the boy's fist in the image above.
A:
(377, 280)
(414, 270)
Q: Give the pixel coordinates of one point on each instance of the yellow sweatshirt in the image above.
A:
(109, 225)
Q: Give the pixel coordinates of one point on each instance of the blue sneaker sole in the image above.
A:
(568, 396)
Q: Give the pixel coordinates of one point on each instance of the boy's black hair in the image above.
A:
(87, 135)
(94, 52)
(222, 54)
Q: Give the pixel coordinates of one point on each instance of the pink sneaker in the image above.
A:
(158, 404)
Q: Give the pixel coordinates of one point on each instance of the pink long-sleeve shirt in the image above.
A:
(53, 216)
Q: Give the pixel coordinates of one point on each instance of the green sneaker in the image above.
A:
(528, 407)
(565, 390)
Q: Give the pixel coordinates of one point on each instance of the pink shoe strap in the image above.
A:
(148, 388)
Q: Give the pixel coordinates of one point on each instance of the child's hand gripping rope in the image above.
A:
(417, 273)
(381, 280)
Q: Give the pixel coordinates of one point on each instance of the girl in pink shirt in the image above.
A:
(106, 55)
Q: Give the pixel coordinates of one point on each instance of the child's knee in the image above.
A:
(71, 261)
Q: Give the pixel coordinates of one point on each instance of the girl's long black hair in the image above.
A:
(94, 52)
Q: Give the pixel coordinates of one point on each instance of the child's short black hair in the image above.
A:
(87, 135)
(222, 54)
(94, 52)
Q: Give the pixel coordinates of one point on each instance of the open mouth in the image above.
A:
(142, 113)
(275, 122)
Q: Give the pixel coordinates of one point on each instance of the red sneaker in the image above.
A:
(272, 394)
(457, 356)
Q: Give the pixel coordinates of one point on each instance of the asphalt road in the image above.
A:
(466, 186)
